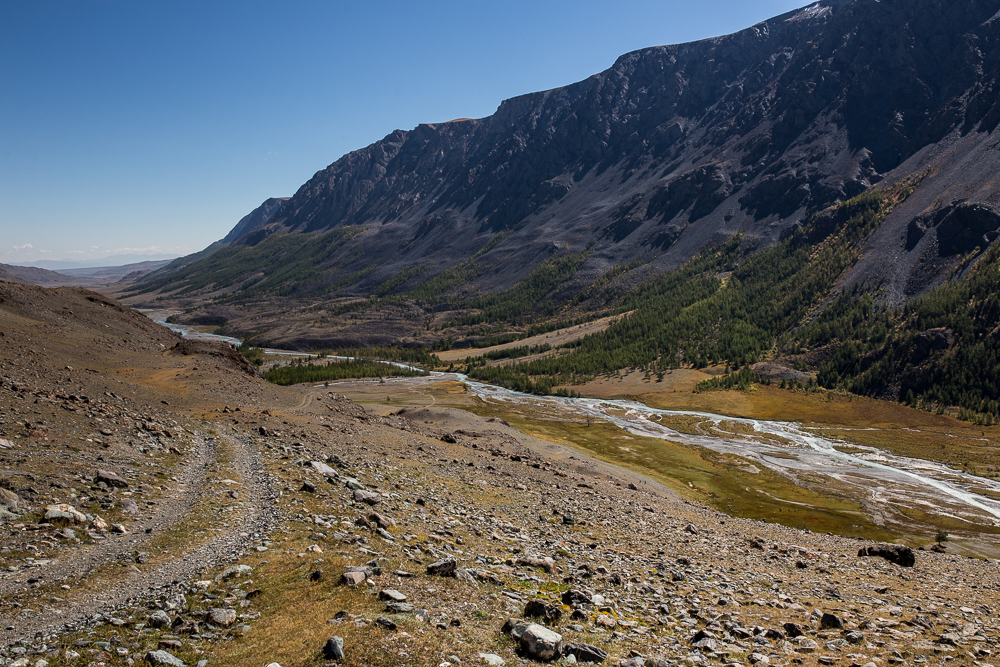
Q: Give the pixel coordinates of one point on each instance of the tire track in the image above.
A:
(260, 515)
(79, 562)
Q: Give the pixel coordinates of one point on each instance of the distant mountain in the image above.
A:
(33, 276)
(115, 273)
(103, 262)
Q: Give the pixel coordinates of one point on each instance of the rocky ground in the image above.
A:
(163, 505)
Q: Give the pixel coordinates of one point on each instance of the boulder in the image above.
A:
(541, 643)
(444, 567)
(542, 609)
(585, 652)
(63, 513)
(894, 553)
(334, 648)
(163, 658)
(221, 616)
(111, 479)
(9, 499)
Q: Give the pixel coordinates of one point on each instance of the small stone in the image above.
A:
(334, 648)
(492, 659)
(159, 619)
(163, 658)
(390, 594)
(111, 479)
(222, 617)
(386, 623)
(352, 579)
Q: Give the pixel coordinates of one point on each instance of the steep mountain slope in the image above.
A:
(671, 148)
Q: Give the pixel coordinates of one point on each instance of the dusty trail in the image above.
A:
(78, 562)
(258, 517)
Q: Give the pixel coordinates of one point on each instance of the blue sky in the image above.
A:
(153, 127)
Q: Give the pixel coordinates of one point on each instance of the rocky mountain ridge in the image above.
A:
(675, 147)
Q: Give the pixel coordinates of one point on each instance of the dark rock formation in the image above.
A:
(894, 553)
(674, 147)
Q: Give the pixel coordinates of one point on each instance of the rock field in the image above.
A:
(166, 508)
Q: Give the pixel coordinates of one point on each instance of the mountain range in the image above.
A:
(569, 198)
(675, 147)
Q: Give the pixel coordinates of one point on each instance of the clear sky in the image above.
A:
(152, 127)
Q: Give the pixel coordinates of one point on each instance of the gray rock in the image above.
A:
(334, 648)
(390, 594)
(444, 567)
(352, 579)
(492, 659)
(585, 652)
(221, 616)
(111, 479)
(159, 619)
(367, 497)
(541, 643)
(9, 499)
(163, 658)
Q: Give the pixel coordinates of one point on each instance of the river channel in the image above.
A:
(879, 480)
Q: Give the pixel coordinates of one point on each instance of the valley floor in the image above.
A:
(251, 523)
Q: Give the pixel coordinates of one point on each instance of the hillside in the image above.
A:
(33, 276)
(643, 189)
(669, 149)
(161, 504)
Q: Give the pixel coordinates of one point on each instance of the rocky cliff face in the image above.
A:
(676, 146)
(255, 219)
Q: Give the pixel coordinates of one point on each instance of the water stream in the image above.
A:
(879, 480)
